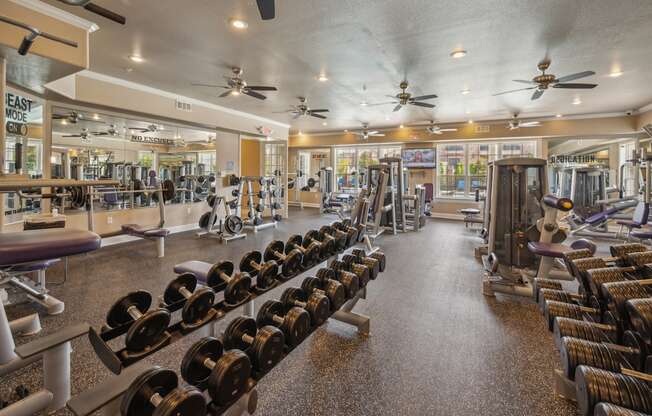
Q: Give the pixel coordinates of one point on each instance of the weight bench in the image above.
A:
(155, 233)
(471, 216)
(199, 268)
(551, 251)
(34, 251)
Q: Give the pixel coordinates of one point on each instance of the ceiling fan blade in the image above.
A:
(537, 94)
(267, 9)
(398, 107)
(371, 133)
(100, 133)
(391, 96)
(261, 88)
(576, 86)
(436, 132)
(524, 81)
(208, 85)
(447, 129)
(254, 94)
(59, 116)
(573, 77)
(511, 91)
(384, 103)
(72, 135)
(427, 105)
(315, 115)
(319, 110)
(143, 129)
(531, 124)
(107, 14)
(225, 94)
(424, 97)
(377, 134)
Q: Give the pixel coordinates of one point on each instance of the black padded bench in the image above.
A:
(155, 233)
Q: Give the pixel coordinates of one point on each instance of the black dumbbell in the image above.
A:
(311, 238)
(146, 328)
(265, 273)
(236, 286)
(264, 346)
(351, 232)
(235, 193)
(317, 304)
(290, 262)
(326, 240)
(311, 253)
(333, 289)
(340, 237)
(157, 392)
(260, 207)
(358, 269)
(276, 205)
(378, 255)
(554, 309)
(372, 264)
(361, 232)
(257, 220)
(261, 194)
(277, 217)
(295, 323)
(197, 302)
(225, 374)
(349, 280)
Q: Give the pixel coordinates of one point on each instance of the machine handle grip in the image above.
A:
(562, 204)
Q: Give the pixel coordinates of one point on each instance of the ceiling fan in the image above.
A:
(94, 8)
(236, 86)
(73, 117)
(515, 123)
(267, 9)
(365, 133)
(432, 128)
(303, 110)
(152, 128)
(84, 135)
(544, 81)
(405, 98)
(111, 131)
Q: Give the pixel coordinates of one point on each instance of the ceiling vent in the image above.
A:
(182, 106)
(482, 128)
(648, 129)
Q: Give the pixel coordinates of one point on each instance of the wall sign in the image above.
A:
(561, 159)
(17, 129)
(17, 111)
(151, 140)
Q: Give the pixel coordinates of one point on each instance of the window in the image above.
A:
(274, 157)
(628, 184)
(462, 168)
(207, 159)
(352, 162)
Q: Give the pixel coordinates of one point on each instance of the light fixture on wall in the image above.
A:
(577, 101)
(34, 33)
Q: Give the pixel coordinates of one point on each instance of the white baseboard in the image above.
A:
(445, 216)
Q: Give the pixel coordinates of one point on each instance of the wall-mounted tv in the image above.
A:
(419, 158)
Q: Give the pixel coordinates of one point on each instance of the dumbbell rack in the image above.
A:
(107, 396)
(219, 232)
(275, 193)
(249, 222)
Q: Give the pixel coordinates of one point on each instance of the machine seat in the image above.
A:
(548, 249)
(33, 266)
(601, 216)
(38, 245)
(644, 234)
(629, 223)
(470, 211)
(199, 268)
(145, 231)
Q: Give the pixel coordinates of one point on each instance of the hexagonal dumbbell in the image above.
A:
(378, 255)
(264, 346)
(236, 286)
(349, 280)
(317, 304)
(359, 270)
(295, 323)
(290, 262)
(224, 373)
(331, 288)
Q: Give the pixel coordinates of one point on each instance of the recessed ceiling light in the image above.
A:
(364, 104)
(577, 101)
(96, 117)
(137, 58)
(235, 92)
(615, 74)
(470, 121)
(324, 124)
(238, 24)
(64, 122)
(458, 53)
(558, 115)
(465, 92)
(322, 78)
(401, 126)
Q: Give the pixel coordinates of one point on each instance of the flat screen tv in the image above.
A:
(419, 158)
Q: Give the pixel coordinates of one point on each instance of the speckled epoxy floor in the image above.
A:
(437, 345)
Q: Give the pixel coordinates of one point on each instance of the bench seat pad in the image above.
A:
(548, 249)
(37, 245)
(145, 231)
(199, 268)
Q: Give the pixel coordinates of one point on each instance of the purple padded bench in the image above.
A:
(199, 268)
(35, 251)
(149, 232)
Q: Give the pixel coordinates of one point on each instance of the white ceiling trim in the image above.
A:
(58, 14)
(167, 94)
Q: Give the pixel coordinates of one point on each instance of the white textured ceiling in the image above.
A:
(377, 43)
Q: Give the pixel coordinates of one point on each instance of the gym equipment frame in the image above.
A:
(220, 232)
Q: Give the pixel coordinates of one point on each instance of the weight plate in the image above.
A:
(319, 308)
(236, 329)
(311, 183)
(292, 263)
(136, 400)
(296, 326)
(172, 294)
(294, 240)
(268, 274)
(182, 402)
(268, 348)
(169, 190)
(147, 330)
(230, 377)
(274, 251)
(233, 224)
(214, 279)
(198, 306)
(211, 200)
(193, 369)
(238, 290)
(267, 311)
(251, 262)
(118, 314)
